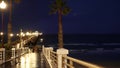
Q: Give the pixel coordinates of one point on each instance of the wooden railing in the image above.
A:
(11, 54)
(53, 57)
(75, 63)
(59, 59)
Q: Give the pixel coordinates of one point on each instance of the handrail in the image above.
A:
(13, 54)
(83, 63)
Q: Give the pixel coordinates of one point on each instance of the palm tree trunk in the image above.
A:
(60, 31)
(10, 23)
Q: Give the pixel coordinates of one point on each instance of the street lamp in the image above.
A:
(2, 6)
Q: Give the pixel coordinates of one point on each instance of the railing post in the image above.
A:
(60, 53)
(49, 53)
(51, 49)
(43, 49)
(13, 53)
(22, 51)
(27, 49)
(16, 52)
(45, 52)
(2, 55)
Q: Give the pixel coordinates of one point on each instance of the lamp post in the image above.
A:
(2, 6)
(21, 34)
(1, 34)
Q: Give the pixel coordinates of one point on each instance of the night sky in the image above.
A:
(86, 17)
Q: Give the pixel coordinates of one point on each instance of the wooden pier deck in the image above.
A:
(30, 60)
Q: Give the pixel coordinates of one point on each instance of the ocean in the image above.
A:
(100, 49)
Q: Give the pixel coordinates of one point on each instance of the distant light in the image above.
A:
(17, 34)
(1, 33)
(36, 31)
(3, 5)
(41, 40)
(11, 35)
(41, 33)
(23, 35)
(27, 33)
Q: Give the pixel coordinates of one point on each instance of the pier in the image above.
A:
(22, 56)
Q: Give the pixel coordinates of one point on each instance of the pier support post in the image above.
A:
(60, 53)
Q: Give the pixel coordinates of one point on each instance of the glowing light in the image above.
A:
(3, 5)
(1, 33)
(27, 33)
(21, 33)
(11, 35)
(17, 34)
(41, 33)
(41, 40)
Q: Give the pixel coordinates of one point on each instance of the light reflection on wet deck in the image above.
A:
(31, 60)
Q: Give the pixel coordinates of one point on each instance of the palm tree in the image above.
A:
(10, 20)
(60, 7)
